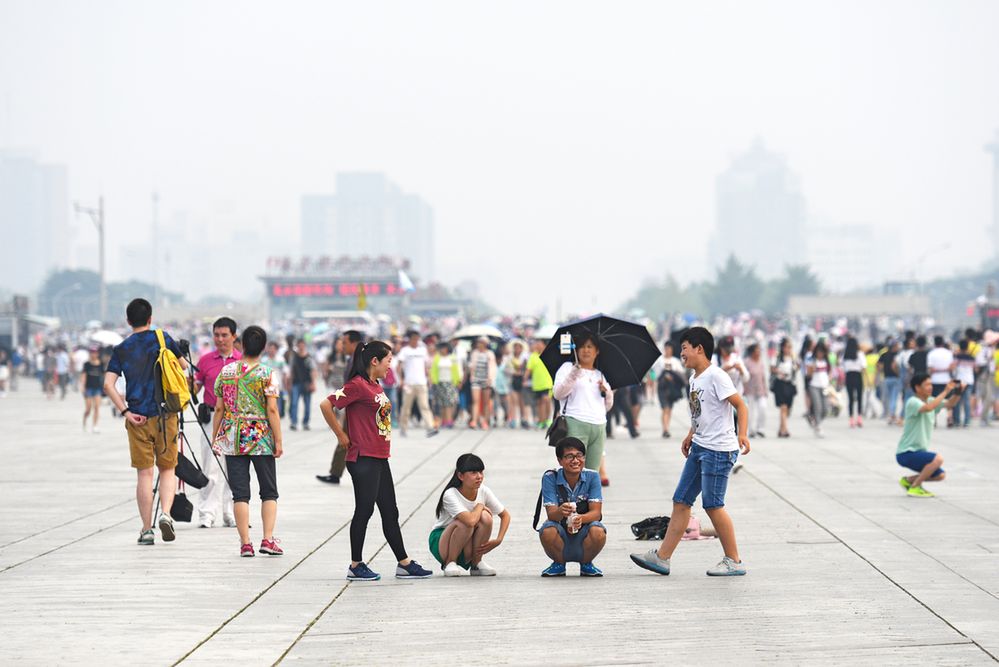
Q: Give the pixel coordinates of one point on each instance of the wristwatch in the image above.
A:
(125, 412)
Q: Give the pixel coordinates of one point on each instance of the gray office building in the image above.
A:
(760, 215)
(370, 216)
(34, 218)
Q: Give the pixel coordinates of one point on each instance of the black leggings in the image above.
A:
(372, 480)
(855, 391)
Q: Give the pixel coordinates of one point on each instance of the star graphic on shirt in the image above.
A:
(339, 393)
(381, 399)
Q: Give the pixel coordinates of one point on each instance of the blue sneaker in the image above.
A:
(412, 571)
(362, 573)
(589, 570)
(554, 570)
(651, 561)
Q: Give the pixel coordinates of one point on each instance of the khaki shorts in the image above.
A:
(146, 446)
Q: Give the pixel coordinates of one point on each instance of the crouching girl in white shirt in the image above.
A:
(465, 512)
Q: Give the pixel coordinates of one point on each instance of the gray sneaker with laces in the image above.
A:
(146, 538)
(728, 568)
(166, 528)
(651, 561)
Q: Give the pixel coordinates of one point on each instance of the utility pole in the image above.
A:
(156, 248)
(993, 149)
(97, 217)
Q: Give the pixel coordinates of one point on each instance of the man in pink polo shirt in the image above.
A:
(216, 498)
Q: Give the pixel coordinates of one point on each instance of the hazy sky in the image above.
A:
(567, 148)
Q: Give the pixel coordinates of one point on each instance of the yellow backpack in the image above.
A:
(176, 392)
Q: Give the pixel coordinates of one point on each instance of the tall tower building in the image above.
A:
(760, 213)
(34, 216)
(993, 149)
(370, 216)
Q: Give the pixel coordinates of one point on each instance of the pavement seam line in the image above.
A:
(899, 537)
(872, 565)
(296, 565)
(377, 551)
(66, 523)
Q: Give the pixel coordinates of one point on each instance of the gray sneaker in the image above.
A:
(651, 561)
(146, 538)
(166, 528)
(728, 568)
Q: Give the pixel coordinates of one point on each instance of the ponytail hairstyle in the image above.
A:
(465, 463)
(364, 353)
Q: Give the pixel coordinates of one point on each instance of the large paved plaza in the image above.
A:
(843, 567)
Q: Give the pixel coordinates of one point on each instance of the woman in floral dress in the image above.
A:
(247, 429)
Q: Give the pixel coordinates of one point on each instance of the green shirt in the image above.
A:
(918, 426)
(541, 379)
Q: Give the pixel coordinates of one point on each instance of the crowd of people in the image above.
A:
(247, 385)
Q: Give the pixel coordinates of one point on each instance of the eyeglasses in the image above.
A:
(576, 457)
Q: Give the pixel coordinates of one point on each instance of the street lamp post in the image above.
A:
(97, 217)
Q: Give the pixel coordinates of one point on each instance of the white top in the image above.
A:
(579, 394)
(858, 365)
(455, 504)
(739, 374)
(711, 414)
(414, 362)
(938, 362)
(663, 364)
(820, 373)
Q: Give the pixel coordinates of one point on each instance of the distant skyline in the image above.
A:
(569, 150)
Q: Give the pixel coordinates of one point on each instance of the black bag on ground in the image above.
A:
(189, 473)
(652, 528)
(182, 508)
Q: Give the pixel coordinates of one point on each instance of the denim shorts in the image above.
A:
(572, 545)
(916, 461)
(706, 471)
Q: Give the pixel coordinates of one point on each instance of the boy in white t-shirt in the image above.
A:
(711, 449)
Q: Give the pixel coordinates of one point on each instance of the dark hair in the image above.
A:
(465, 463)
(569, 443)
(851, 348)
(364, 353)
(820, 347)
(751, 350)
(225, 322)
(138, 312)
(918, 379)
(411, 333)
(584, 337)
(938, 341)
(444, 347)
(726, 343)
(806, 347)
(699, 336)
(254, 341)
(353, 336)
(783, 341)
(963, 345)
(920, 341)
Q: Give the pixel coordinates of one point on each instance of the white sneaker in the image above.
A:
(482, 570)
(727, 568)
(229, 522)
(452, 569)
(95, 430)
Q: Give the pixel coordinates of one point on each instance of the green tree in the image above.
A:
(660, 298)
(797, 279)
(736, 288)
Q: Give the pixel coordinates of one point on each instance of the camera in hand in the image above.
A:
(185, 346)
(956, 391)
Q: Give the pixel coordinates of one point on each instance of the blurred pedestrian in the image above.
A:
(755, 389)
(302, 379)
(482, 375)
(783, 376)
(671, 377)
(445, 379)
(817, 372)
(854, 365)
(91, 388)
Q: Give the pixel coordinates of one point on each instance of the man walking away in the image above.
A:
(149, 441)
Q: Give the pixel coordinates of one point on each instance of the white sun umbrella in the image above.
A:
(546, 332)
(473, 331)
(106, 337)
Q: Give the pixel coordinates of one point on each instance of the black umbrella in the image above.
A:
(627, 350)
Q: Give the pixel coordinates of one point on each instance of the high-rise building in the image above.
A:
(993, 148)
(34, 217)
(760, 216)
(370, 216)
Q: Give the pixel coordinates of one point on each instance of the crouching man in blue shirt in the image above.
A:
(571, 497)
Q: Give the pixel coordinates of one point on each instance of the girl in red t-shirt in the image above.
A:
(368, 439)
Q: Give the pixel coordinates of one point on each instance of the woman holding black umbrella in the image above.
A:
(585, 397)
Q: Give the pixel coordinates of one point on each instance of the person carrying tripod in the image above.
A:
(149, 441)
